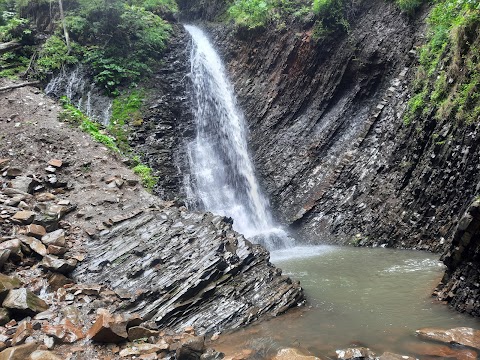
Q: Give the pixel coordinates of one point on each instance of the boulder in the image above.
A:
(44, 355)
(24, 301)
(143, 348)
(23, 183)
(21, 352)
(392, 356)
(56, 238)
(55, 163)
(65, 332)
(24, 217)
(211, 354)
(108, 329)
(140, 332)
(4, 316)
(53, 263)
(461, 335)
(191, 348)
(9, 283)
(34, 244)
(56, 281)
(56, 250)
(4, 255)
(292, 354)
(24, 330)
(36, 231)
(355, 353)
(14, 248)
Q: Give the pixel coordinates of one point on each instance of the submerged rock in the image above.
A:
(188, 268)
(293, 354)
(462, 335)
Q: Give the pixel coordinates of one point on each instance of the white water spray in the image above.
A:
(225, 181)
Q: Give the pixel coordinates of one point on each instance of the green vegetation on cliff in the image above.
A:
(120, 40)
(447, 84)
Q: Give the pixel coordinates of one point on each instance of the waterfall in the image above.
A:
(75, 85)
(224, 179)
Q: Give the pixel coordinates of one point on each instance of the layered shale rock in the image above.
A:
(460, 285)
(188, 268)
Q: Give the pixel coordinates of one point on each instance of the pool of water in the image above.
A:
(355, 296)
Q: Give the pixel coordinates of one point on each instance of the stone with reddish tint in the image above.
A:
(65, 332)
(191, 348)
(292, 354)
(56, 250)
(37, 231)
(24, 330)
(392, 356)
(55, 163)
(143, 348)
(24, 301)
(108, 328)
(440, 351)
(43, 197)
(57, 281)
(34, 244)
(21, 352)
(44, 355)
(24, 217)
(4, 163)
(461, 335)
(139, 332)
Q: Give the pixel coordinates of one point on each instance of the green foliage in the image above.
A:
(253, 14)
(331, 17)
(146, 174)
(409, 6)
(448, 77)
(125, 113)
(73, 115)
(54, 54)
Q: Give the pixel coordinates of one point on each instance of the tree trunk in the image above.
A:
(65, 31)
(16, 86)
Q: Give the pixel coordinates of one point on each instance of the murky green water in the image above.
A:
(373, 297)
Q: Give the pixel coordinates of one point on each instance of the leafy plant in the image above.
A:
(146, 174)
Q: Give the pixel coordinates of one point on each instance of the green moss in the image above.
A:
(146, 174)
(126, 112)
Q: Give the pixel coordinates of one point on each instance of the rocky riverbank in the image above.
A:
(91, 260)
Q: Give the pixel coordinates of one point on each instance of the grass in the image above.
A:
(146, 174)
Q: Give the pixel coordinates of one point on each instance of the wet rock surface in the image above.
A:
(168, 121)
(188, 268)
(327, 133)
(460, 285)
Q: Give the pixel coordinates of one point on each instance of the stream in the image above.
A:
(372, 297)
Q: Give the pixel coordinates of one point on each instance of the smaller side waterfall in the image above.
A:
(224, 176)
(73, 83)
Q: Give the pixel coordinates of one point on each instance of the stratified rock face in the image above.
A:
(460, 285)
(185, 268)
(328, 139)
(168, 122)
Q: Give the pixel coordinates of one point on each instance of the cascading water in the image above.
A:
(73, 83)
(224, 176)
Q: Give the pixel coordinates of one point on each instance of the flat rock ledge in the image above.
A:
(178, 268)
